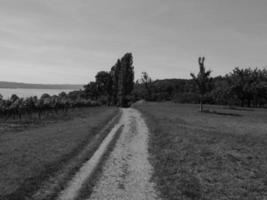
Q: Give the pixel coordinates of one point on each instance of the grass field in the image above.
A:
(28, 156)
(220, 154)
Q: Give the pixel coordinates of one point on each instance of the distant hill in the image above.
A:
(5, 84)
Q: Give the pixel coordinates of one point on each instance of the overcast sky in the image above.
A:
(68, 41)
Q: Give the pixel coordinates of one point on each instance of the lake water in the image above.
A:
(23, 92)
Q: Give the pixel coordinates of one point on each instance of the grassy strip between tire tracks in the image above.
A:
(87, 187)
(70, 168)
(201, 161)
(54, 175)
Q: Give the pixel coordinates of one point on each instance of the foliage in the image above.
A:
(241, 87)
(91, 90)
(126, 79)
(202, 80)
(248, 85)
(115, 74)
(147, 82)
(18, 107)
(113, 87)
(109, 88)
(187, 97)
(104, 83)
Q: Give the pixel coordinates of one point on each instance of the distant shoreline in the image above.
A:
(36, 88)
(16, 85)
(6, 93)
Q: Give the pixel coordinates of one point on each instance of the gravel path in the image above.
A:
(127, 172)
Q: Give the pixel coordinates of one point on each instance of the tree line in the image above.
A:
(113, 87)
(16, 107)
(109, 88)
(116, 87)
(241, 87)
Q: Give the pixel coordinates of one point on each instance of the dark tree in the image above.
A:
(115, 74)
(147, 82)
(202, 81)
(241, 82)
(104, 84)
(91, 91)
(113, 87)
(126, 79)
(103, 81)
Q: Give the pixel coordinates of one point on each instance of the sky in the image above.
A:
(69, 41)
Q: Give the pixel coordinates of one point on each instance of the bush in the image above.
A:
(186, 98)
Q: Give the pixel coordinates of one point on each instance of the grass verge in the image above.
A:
(87, 188)
(30, 158)
(50, 188)
(205, 156)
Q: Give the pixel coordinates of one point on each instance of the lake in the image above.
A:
(25, 92)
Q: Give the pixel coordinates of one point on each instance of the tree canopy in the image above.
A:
(202, 80)
(115, 86)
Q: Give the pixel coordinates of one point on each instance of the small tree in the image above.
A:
(103, 82)
(202, 81)
(147, 81)
(91, 91)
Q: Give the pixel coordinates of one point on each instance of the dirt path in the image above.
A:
(127, 172)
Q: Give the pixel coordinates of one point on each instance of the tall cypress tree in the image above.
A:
(122, 74)
(126, 79)
(115, 74)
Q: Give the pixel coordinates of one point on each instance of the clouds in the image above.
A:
(68, 41)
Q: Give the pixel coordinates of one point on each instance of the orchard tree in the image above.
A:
(202, 81)
(241, 82)
(248, 85)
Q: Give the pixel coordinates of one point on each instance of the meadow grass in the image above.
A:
(219, 154)
(28, 157)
